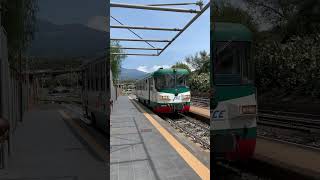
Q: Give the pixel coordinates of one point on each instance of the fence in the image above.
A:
(16, 94)
(113, 90)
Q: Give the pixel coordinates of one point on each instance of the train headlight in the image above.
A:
(248, 109)
(164, 97)
(186, 97)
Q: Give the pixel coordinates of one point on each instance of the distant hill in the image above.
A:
(131, 74)
(70, 40)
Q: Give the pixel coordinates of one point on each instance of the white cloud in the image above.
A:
(185, 62)
(98, 23)
(142, 68)
(151, 69)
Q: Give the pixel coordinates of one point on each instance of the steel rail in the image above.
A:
(186, 26)
(149, 40)
(154, 8)
(182, 124)
(189, 133)
(290, 113)
(288, 122)
(146, 28)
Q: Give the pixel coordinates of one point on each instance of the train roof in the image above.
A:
(161, 71)
(232, 31)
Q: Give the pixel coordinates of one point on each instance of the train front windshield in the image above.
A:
(169, 81)
(232, 63)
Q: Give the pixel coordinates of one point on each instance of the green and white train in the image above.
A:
(96, 92)
(165, 91)
(234, 102)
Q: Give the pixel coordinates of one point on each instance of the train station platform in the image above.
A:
(287, 156)
(141, 148)
(295, 158)
(44, 146)
(204, 112)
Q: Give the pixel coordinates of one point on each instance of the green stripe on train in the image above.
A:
(156, 104)
(231, 31)
(173, 91)
(224, 93)
(251, 132)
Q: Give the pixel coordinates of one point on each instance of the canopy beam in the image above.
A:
(148, 40)
(146, 28)
(155, 8)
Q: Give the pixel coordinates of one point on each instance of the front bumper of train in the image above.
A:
(234, 146)
(171, 108)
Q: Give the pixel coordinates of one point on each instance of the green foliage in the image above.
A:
(274, 12)
(291, 67)
(19, 21)
(200, 82)
(287, 17)
(198, 79)
(181, 66)
(226, 12)
(200, 62)
(116, 60)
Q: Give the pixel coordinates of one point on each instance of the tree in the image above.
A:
(200, 62)
(290, 17)
(116, 60)
(290, 67)
(181, 66)
(19, 21)
(226, 12)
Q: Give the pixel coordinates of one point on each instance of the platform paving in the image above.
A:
(298, 159)
(139, 151)
(45, 148)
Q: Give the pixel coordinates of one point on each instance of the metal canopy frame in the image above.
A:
(155, 7)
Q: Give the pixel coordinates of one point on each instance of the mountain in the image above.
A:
(131, 74)
(70, 40)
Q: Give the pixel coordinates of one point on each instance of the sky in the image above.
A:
(194, 39)
(71, 11)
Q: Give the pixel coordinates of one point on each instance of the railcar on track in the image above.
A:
(95, 93)
(165, 91)
(234, 102)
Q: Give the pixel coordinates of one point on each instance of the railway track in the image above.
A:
(200, 102)
(198, 131)
(289, 120)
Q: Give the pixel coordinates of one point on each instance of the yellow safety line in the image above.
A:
(86, 136)
(191, 160)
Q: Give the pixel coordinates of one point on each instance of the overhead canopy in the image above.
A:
(155, 7)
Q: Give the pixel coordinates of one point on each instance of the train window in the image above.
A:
(151, 84)
(97, 84)
(228, 61)
(92, 84)
(233, 60)
(165, 81)
(102, 83)
(180, 80)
